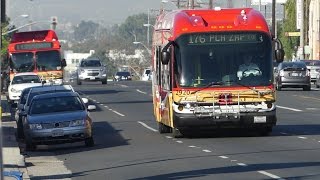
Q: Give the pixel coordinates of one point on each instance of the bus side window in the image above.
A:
(158, 65)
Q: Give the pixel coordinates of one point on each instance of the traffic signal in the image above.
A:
(54, 22)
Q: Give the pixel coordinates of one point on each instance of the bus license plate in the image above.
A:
(57, 133)
(259, 119)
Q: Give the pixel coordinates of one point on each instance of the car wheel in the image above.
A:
(20, 134)
(79, 82)
(307, 88)
(265, 131)
(176, 133)
(163, 128)
(278, 87)
(317, 85)
(104, 81)
(89, 142)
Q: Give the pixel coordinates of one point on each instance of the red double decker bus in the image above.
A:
(39, 52)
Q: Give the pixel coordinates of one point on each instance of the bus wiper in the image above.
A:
(218, 83)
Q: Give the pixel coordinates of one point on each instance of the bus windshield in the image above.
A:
(223, 59)
(22, 62)
(48, 60)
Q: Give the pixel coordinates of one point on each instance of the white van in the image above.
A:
(146, 75)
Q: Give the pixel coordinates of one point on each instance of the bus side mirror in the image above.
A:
(63, 63)
(279, 52)
(165, 57)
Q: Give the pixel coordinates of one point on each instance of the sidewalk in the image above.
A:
(13, 161)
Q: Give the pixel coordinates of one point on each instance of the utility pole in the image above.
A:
(302, 30)
(260, 5)
(273, 21)
(210, 4)
(2, 20)
(148, 30)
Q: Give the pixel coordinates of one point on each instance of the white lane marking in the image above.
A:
(312, 109)
(141, 92)
(169, 137)
(318, 141)
(206, 150)
(224, 157)
(179, 142)
(196, 146)
(118, 113)
(302, 137)
(94, 100)
(146, 126)
(122, 85)
(106, 106)
(283, 133)
(291, 109)
(270, 175)
(241, 164)
(233, 160)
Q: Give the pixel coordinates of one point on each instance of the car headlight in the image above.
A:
(14, 90)
(101, 70)
(35, 126)
(77, 123)
(116, 77)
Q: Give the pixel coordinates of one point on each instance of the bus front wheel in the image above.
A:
(163, 128)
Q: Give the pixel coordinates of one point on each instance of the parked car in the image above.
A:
(27, 96)
(292, 74)
(314, 68)
(21, 81)
(122, 76)
(91, 70)
(57, 118)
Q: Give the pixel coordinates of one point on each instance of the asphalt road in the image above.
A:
(128, 145)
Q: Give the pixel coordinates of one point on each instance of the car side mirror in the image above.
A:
(85, 100)
(63, 63)
(91, 107)
(165, 57)
(43, 82)
(23, 113)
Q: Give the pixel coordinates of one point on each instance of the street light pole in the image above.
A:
(2, 19)
(302, 30)
(148, 30)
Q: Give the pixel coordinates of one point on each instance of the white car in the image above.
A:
(21, 81)
(146, 75)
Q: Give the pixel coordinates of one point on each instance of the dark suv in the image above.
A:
(91, 70)
(292, 74)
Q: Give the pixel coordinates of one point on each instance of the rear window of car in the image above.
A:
(90, 63)
(26, 79)
(312, 62)
(293, 65)
(123, 74)
(56, 104)
(32, 95)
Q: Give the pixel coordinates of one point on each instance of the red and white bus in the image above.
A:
(196, 79)
(39, 52)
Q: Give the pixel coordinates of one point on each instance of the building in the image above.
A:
(314, 29)
(72, 60)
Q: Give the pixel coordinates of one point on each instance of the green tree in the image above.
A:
(85, 30)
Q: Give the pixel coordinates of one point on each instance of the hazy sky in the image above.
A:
(107, 11)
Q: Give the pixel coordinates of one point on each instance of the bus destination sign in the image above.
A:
(31, 46)
(202, 39)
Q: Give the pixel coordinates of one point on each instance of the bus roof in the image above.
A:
(213, 20)
(44, 35)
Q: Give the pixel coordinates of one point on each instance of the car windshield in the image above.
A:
(56, 104)
(26, 79)
(217, 57)
(122, 74)
(90, 63)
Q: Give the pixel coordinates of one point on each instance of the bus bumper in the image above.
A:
(246, 120)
